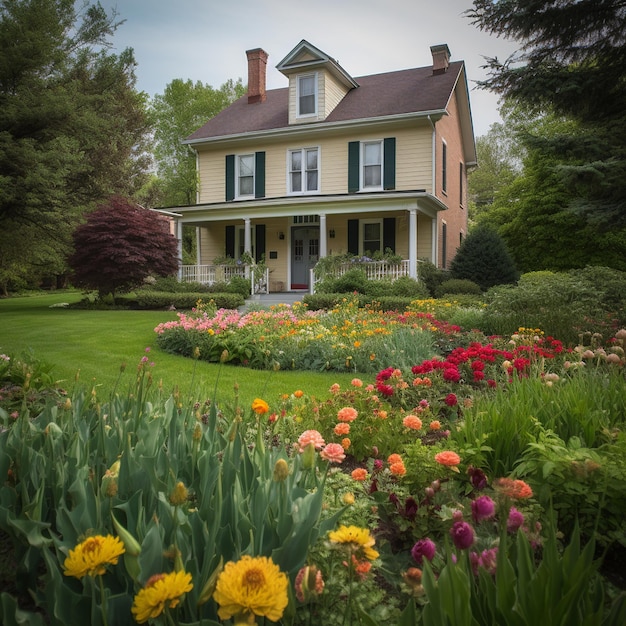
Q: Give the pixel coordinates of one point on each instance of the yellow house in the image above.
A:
(334, 164)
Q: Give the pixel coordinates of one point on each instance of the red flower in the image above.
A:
(451, 400)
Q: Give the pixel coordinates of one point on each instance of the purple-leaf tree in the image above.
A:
(119, 245)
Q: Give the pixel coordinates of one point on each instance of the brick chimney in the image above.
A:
(441, 58)
(257, 64)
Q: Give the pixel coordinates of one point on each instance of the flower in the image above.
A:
(483, 508)
(309, 583)
(451, 399)
(298, 393)
(356, 382)
(394, 458)
(477, 477)
(179, 494)
(358, 540)
(281, 471)
(515, 520)
(516, 489)
(462, 535)
(397, 469)
(251, 586)
(91, 557)
(161, 591)
(423, 548)
(260, 407)
(342, 429)
(347, 414)
(360, 474)
(413, 422)
(435, 425)
(311, 436)
(345, 443)
(448, 458)
(333, 453)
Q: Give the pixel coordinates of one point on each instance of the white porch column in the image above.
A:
(434, 241)
(179, 241)
(323, 236)
(198, 246)
(413, 243)
(247, 237)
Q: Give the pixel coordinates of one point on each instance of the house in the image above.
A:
(332, 164)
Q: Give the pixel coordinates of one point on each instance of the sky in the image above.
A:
(206, 40)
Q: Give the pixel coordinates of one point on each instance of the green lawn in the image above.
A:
(94, 344)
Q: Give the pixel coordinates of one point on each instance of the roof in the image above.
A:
(390, 94)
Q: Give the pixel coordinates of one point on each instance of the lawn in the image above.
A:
(93, 345)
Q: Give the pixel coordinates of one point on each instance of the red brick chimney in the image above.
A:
(257, 64)
(441, 58)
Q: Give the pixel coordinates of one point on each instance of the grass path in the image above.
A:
(94, 344)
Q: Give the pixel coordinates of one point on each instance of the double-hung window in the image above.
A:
(245, 175)
(372, 160)
(307, 95)
(304, 170)
(371, 237)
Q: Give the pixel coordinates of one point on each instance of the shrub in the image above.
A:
(323, 300)
(409, 288)
(457, 285)
(163, 300)
(171, 284)
(431, 276)
(483, 258)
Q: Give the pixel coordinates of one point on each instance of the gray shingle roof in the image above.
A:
(379, 95)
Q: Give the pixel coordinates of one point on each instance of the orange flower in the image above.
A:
(335, 388)
(342, 429)
(361, 568)
(346, 443)
(516, 489)
(359, 474)
(382, 414)
(413, 422)
(357, 382)
(298, 394)
(398, 469)
(448, 458)
(347, 414)
(435, 425)
(394, 458)
(259, 406)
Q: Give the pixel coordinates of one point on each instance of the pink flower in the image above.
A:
(342, 429)
(423, 548)
(356, 382)
(347, 414)
(451, 399)
(462, 535)
(333, 453)
(515, 520)
(311, 436)
(483, 508)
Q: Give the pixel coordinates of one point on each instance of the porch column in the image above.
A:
(413, 243)
(198, 245)
(323, 236)
(179, 241)
(247, 244)
(433, 242)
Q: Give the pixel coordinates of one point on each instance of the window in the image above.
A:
(371, 237)
(372, 165)
(372, 159)
(307, 95)
(304, 170)
(306, 219)
(245, 175)
(461, 171)
(444, 167)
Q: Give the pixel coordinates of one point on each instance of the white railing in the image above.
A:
(210, 274)
(374, 270)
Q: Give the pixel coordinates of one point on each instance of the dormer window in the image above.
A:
(307, 95)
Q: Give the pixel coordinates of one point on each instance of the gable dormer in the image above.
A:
(317, 83)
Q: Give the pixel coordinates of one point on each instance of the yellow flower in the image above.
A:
(357, 539)
(92, 555)
(251, 586)
(179, 494)
(259, 406)
(161, 591)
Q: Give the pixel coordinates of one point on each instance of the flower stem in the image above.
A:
(103, 602)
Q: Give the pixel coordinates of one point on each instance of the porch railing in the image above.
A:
(374, 270)
(211, 274)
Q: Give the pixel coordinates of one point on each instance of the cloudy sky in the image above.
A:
(206, 40)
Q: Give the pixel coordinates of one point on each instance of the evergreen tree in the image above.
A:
(484, 259)
(571, 62)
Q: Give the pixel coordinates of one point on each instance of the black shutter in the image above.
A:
(229, 238)
(230, 177)
(259, 175)
(389, 166)
(259, 250)
(353, 236)
(389, 234)
(354, 148)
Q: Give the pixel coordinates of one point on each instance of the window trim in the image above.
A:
(313, 75)
(303, 171)
(362, 224)
(461, 184)
(238, 158)
(362, 165)
(444, 167)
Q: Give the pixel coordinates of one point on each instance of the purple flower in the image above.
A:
(515, 520)
(462, 535)
(487, 559)
(483, 508)
(477, 477)
(423, 548)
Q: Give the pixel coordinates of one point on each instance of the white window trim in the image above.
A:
(445, 174)
(304, 192)
(362, 165)
(237, 161)
(315, 93)
(362, 224)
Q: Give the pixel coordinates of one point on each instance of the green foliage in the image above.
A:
(186, 300)
(484, 259)
(455, 286)
(354, 280)
(407, 287)
(431, 276)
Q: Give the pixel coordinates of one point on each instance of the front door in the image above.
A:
(305, 252)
